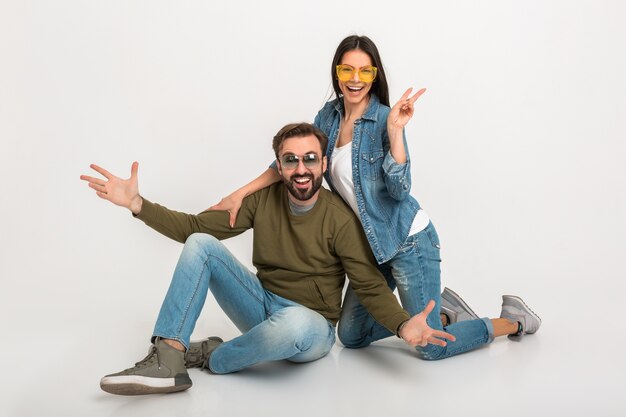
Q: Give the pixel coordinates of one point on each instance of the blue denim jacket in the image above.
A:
(381, 185)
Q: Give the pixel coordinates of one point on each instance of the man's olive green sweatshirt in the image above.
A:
(303, 258)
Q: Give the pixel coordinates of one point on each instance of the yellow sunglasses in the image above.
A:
(346, 72)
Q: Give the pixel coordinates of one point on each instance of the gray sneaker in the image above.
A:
(455, 308)
(199, 352)
(515, 310)
(163, 370)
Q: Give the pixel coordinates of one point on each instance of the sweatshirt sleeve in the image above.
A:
(366, 280)
(179, 226)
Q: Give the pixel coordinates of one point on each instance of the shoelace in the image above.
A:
(205, 348)
(195, 355)
(149, 359)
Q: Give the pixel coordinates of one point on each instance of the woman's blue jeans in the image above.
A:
(416, 272)
(273, 327)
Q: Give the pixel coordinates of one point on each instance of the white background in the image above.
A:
(519, 157)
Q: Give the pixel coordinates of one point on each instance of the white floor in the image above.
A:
(569, 368)
(518, 156)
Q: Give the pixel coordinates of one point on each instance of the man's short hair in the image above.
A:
(293, 130)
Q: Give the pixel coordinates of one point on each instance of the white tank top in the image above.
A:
(341, 175)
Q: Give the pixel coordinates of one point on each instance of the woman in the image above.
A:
(369, 166)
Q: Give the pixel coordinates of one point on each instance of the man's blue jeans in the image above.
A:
(415, 270)
(273, 327)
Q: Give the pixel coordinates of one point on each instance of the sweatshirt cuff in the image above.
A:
(396, 321)
(400, 328)
(148, 210)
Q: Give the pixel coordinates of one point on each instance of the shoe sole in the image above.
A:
(459, 301)
(141, 385)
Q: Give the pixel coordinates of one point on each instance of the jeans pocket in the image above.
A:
(433, 236)
(410, 245)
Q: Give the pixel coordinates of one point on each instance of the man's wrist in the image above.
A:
(135, 204)
(400, 326)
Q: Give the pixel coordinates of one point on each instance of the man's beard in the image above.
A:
(316, 183)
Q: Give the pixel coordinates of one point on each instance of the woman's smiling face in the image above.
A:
(355, 91)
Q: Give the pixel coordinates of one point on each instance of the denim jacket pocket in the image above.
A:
(373, 164)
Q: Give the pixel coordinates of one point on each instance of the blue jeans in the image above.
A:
(273, 327)
(415, 270)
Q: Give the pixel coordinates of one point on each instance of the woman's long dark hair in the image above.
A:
(365, 44)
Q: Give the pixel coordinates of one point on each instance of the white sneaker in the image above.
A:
(514, 309)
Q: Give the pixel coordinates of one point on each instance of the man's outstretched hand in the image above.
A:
(118, 191)
(417, 332)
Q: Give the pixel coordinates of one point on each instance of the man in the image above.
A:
(305, 241)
